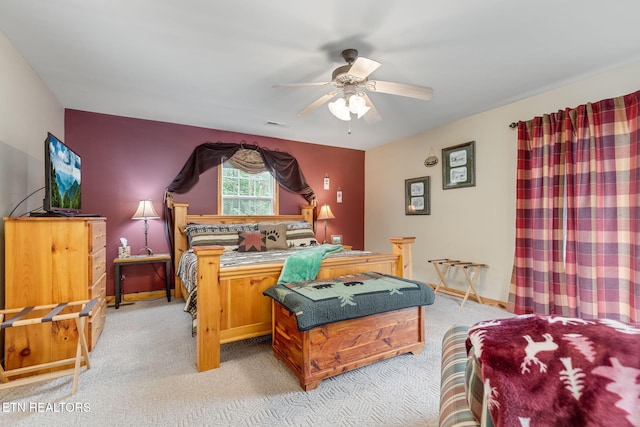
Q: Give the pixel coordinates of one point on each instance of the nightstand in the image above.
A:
(142, 259)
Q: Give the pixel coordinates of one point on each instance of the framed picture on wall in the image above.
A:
(459, 166)
(417, 195)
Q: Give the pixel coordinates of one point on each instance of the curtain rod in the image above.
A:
(513, 125)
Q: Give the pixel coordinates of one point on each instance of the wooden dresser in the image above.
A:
(50, 260)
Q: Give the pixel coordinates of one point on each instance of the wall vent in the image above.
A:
(270, 123)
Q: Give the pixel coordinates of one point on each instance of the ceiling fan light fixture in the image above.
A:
(351, 79)
(358, 105)
(339, 109)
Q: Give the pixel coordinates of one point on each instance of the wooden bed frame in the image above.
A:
(231, 306)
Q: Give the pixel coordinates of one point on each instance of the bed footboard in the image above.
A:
(231, 306)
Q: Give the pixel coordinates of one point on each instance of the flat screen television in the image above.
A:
(63, 178)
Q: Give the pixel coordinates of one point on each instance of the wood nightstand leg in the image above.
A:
(168, 279)
(118, 289)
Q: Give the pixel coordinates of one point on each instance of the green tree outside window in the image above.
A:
(246, 194)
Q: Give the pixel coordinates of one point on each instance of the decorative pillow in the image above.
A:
(252, 241)
(220, 227)
(225, 235)
(276, 235)
(300, 234)
(228, 239)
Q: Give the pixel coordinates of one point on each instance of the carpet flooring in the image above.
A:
(143, 373)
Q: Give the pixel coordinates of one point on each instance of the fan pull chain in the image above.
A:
(349, 127)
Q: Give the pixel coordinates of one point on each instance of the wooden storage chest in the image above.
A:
(331, 349)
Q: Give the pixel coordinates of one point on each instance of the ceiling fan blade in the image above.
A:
(402, 89)
(318, 102)
(362, 67)
(303, 84)
(372, 115)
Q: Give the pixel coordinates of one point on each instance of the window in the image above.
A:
(242, 193)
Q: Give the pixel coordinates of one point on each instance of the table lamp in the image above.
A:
(146, 211)
(325, 214)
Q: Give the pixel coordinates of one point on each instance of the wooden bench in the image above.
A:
(471, 270)
(16, 317)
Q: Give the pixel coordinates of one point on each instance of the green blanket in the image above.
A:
(304, 265)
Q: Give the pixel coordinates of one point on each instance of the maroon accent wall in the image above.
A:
(125, 160)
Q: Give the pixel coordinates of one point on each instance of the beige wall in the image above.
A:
(474, 223)
(28, 110)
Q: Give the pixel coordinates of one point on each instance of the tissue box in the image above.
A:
(124, 251)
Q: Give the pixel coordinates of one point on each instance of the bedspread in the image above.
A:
(187, 266)
(550, 371)
(322, 301)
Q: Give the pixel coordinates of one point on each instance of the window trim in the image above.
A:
(276, 194)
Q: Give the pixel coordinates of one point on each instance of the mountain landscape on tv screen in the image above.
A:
(65, 190)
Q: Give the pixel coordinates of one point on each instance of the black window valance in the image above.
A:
(282, 166)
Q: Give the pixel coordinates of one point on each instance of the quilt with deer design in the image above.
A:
(540, 370)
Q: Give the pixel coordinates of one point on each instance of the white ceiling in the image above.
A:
(213, 63)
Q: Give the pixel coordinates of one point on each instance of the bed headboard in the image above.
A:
(182, 217)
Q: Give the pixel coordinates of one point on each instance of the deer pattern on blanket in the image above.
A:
(535, 347)
(552, 370)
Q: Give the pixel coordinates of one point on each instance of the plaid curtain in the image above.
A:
(578, 212)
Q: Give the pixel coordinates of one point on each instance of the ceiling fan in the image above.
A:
(351, 79)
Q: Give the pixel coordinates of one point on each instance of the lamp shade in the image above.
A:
(325, 213)
(145, 211)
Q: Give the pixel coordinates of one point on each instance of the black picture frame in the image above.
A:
(417, 196)
(459, 166)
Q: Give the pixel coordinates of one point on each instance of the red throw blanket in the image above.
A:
(557, 371)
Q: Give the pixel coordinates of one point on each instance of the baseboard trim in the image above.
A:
(147, 295)
(140, 296)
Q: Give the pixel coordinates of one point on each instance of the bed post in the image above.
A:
(307, 212)
(402, 247)
(208, 315)
(180, 243)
